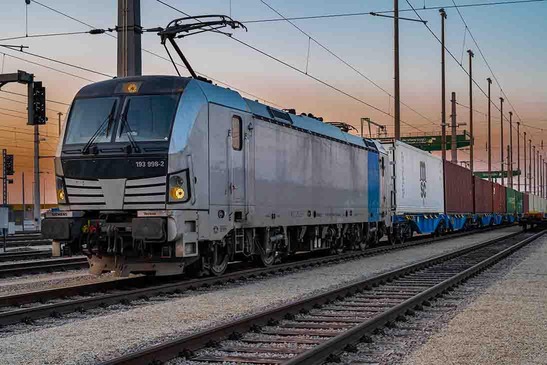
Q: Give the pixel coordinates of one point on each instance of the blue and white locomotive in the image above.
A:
(165, 175)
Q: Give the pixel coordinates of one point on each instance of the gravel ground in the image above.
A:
(505, 325)
(89, 340)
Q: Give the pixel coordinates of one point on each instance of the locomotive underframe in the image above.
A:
(126, 243)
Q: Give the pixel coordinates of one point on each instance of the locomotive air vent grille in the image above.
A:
(145, 193)
(84, 193)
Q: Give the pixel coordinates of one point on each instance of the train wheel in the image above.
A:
(441, 229)
(363, 244)
(394, 237)
(373, 239)
(267, 251)
(218, 262)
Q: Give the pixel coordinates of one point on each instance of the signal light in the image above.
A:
(8, 161)
(38, 104)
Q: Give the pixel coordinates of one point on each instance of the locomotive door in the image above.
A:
(237, 162)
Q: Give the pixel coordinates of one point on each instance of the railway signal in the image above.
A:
(8, 161)
(7, 170)
(36, 93)
(38, 104)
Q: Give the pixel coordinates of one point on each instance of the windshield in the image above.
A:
(147, 117)
(87, 116)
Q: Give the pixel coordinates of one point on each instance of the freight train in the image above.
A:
(167, 175)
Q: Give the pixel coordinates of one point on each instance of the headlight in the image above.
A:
(177, 193)
(178, 187)
(60, 188)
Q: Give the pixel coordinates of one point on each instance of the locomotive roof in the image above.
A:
(152, 84)
(232, 99)
(147, 85)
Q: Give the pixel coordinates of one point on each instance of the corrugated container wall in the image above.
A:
(519, 201)
(526, 203)
(418, 180)
(534, 203)
(538, 204)
(499, 199)
(483, 195)
(458, 189)
(511, 199)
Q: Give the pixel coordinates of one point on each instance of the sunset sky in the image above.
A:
(511, 37)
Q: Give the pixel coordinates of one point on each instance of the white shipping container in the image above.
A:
(534, 204)
(419, 182)
(537, 204)
(541, 205)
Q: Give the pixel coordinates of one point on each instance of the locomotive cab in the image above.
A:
(124, 174)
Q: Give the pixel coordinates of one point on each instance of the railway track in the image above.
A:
(24, 255)
(50, 265)
(25, 239)
(48, 303)
(317, 329)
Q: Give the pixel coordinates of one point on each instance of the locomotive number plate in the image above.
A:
(149, 163)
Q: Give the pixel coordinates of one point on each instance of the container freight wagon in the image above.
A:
(513, 204)
(535, 210)
(499, 203)
(484, 190)
(458, 195)
(417, 198)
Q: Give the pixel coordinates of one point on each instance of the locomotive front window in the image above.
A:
(147, 117)
(90, 116)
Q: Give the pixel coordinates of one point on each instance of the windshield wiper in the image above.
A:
(129, 132)
(106, 122)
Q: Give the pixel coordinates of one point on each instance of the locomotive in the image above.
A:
(165, 175)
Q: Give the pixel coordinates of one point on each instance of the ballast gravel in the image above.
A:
(99, 338)
(505, 325)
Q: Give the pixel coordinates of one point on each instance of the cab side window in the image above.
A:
(237, 140)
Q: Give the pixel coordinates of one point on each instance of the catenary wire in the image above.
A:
(299, 70)
(43, 35)
(486, 61)
(49, 100)
(455, 59)
(343, 15)
(59, 62)
(158, 55)
(48, 67)
(344, 61)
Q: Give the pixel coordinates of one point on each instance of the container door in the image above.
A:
(237, 161)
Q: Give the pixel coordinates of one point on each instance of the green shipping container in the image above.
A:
(514, 199)
(511, 200)
(519, 201)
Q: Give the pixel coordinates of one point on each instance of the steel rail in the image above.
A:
(187, 345)
(23, 236)
(148, 287)
(27, 242)
(21, 268)
(337, 344)
(24, 255)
